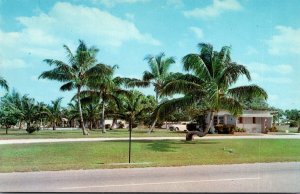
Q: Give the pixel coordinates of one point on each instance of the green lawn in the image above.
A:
(77, 133)
(94, 155)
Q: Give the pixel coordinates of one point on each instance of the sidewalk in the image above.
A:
(24, 141)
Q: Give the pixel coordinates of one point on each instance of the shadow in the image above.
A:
(197, 142)
(162, 146)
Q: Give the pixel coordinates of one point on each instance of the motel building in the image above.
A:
(253, 121)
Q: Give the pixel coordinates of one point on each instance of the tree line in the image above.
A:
(205, 88)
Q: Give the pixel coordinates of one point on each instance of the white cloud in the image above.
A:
(214, 10)
(284, 69)
(264, 68)
(42, 35)
(175, 3)
(65, 19)
(197, 31)
(287, 41)
(112, 3)
(275, 74)
(251, 51)
(12, 63)
(130, 16)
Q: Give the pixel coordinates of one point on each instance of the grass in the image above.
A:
(77, 133)
(97, 155)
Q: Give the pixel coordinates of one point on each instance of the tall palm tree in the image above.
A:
(159, 72)
(208, 82)
(3, 83)
(82, 65)
(104, 88)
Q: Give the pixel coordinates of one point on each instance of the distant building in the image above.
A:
(254, 121)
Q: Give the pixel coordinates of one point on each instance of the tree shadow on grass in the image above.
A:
(160, 146)
(197, 142)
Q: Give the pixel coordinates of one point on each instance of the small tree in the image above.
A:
(8, 117)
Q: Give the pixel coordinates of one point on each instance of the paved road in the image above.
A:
(22, 141)
(268, 177)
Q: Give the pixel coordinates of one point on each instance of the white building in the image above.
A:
(254, 121)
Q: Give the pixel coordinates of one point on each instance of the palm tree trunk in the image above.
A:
(80, 112)
(103, 119)
(129, 148)
(20, 124)
(190, 134)
(6, 130)
(154, 122)
(114, 122)
(153, 125)
(54, 126)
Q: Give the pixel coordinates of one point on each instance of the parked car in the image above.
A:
(179, 126)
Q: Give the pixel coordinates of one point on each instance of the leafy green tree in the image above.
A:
(208, 83)
(3, 83)
(8, 115)
(293, 116)
(256, 104)
(54, 112)
(91, 111)
(159, 72)
(132, 106)
(75, 75)
(104, 89)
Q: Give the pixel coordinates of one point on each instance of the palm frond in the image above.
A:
(168, 107)
(232, 105)
(232, 72)
(68, 86)
(3, 83)
(179, 87)
(148, 76)
(246, 92)
(56, 74)
(194, 63)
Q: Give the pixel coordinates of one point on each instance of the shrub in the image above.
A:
(121, 125)
(237, 129)
(134, 125)
(273, 129)
(293, 124)
(33, 128)
(107, 126)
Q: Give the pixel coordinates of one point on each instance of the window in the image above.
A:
(240, 119)
(254, 119)
(221, 120)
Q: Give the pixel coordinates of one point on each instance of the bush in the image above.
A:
(293, 124)
(121, 125)
(273, 129)
(237, 129)
(134, 125)
(107, 126)
(33, 128)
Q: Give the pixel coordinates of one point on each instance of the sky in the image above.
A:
(264, 36)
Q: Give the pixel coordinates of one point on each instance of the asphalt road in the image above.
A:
(267, 177)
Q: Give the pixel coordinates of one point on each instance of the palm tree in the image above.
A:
(131, 106)
(75, 75)
(159, 72)
(3, 83)
(54, 112)
(208, 82)
(104, 88)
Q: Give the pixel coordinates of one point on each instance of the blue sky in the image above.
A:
(264, 35)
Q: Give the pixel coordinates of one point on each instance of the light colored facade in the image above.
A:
(254, 121)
